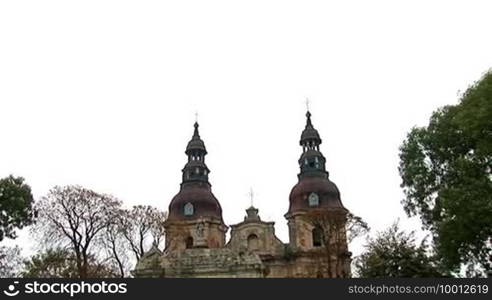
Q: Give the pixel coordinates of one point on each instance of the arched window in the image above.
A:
(313, 200)
(189, 210)
(253, 242)
(317, 237)
(311, 164)
(189, 242)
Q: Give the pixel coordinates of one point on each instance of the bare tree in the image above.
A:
(142, 227)
(74, 217)
(337, 228)
(114, 243)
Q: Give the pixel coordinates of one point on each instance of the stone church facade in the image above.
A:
(196, 233)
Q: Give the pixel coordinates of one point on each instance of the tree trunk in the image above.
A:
(85, 267)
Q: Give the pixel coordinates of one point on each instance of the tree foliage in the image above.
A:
(446, 169)
(10, 261)
(62, 263)
(356, 227)
(394, 253)
(15, 206)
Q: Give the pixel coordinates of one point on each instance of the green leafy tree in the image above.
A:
(15, 206)
(62, 263)
(394, 253)
(446, 171)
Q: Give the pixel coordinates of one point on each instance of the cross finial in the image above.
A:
(251, 195)
(307, 103)
(196, 116)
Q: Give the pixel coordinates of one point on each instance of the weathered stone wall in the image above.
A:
(204, 233)
(243, 238)
(224, 262)
(202, 263)
(242, 257)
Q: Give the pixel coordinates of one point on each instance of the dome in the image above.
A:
(199, 195)
(310, 134)
(196, 144)
(325, 190)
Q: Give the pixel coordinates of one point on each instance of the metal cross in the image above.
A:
(251, 195)
(196, 116)
(307, 103)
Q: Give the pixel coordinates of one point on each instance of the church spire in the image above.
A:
(312, 161)
(196, 134)
(310, 137)
(195, 169)
(309, 124)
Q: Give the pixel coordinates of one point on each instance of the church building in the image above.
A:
(196, 243)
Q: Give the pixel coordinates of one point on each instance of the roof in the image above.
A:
(327, 191)
(200, 195)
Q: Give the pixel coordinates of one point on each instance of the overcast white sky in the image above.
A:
(103, 94)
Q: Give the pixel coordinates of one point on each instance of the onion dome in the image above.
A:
(195, 198)
(194, 201)
(314, 192)
(314, 189)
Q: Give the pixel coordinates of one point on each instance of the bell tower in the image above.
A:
(312, 162)
(316, 216)
(195, 215)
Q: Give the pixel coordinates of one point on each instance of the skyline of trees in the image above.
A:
(82, 234)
